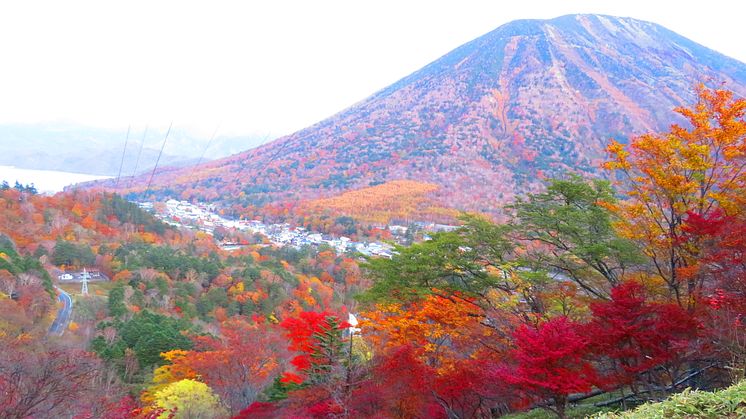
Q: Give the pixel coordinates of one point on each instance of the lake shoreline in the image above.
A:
(45, 181)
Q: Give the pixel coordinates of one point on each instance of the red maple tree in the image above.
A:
(630, 335)
(550, 362)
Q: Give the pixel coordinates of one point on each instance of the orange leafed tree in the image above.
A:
(395, 199)
(445, 330)
(666, 177)
(237, 366)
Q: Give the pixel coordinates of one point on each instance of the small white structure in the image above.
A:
(352, 320)
(65, 277)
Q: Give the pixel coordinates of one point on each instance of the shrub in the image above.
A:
(728, 403)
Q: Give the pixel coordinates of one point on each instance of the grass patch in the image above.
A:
(575, 412)
(94, 288)
(583, 409)
(727, 403)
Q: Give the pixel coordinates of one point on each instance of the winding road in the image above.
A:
(59, 325)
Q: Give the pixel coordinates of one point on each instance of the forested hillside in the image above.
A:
(583, 298)
(486, 123)
(594, 295)
(170, 291)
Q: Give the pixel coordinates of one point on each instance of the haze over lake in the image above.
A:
(46, 181)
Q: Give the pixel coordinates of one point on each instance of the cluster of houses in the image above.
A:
(284, 235)
(77, 276)
(203, 217)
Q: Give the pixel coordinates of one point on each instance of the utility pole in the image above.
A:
(84, 290)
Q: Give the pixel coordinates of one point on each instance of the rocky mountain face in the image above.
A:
(487, 121)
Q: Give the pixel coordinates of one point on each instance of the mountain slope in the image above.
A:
(530, 99)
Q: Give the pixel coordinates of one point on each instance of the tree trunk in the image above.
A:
(560, 404)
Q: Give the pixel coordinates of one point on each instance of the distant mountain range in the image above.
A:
(96, 151)
(489, 120)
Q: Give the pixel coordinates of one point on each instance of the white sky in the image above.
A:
(264, 66)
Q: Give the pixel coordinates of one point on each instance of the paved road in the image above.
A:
(59, 325)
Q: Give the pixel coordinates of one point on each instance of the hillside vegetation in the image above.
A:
(487, 122)
(727, 403)
(394, 200)
(591, 294)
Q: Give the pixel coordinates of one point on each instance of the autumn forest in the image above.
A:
(590, 296)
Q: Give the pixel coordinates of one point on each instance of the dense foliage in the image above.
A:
(629, 290)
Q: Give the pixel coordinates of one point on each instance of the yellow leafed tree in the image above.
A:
(191, 400)
(698, 170)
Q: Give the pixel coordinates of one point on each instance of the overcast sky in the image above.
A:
(264, 66)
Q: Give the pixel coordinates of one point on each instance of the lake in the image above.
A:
(46, 181)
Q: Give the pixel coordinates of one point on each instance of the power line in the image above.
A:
(121, 164)
(208, 145)
(159, 156)
(137, 162)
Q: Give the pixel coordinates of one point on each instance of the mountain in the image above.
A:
(485, 122)
(96, 151)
